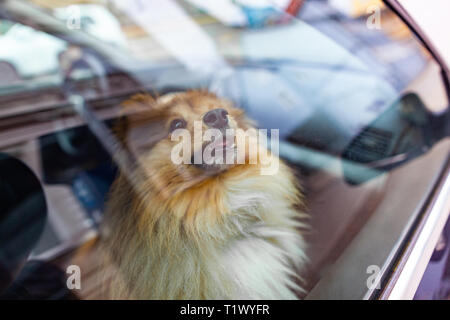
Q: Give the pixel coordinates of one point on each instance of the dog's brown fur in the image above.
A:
(172, 231)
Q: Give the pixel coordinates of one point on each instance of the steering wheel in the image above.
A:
(75, 59)
(71, 61)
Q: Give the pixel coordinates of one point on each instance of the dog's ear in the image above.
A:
(144, 123)
(142, 136)
(142, 107)
(166, 99)
(138, 104)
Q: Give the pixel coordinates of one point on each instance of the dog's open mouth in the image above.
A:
(216, 155)
(224, 145)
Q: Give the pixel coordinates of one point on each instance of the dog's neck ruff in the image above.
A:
(234, 237)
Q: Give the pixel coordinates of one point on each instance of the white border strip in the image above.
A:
(414, 268)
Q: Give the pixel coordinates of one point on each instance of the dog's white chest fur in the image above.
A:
(254, 251)
(263, 262)
(259, 270)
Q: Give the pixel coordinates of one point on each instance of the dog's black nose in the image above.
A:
(216, 118)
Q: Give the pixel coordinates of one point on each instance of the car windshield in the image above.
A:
(347, 94)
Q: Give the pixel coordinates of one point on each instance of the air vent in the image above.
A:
(370, 145)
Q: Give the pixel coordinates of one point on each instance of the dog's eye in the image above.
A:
(177, 124)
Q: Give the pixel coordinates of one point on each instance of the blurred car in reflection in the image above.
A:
(26, 52)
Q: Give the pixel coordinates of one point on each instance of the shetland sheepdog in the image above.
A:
(211, 230)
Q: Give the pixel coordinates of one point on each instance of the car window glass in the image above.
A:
(357, 107)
